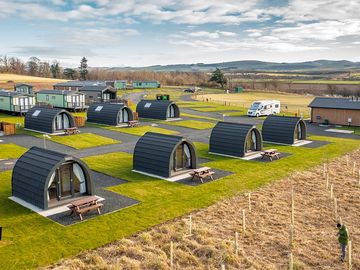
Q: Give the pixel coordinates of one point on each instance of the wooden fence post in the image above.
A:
(359, 177)
(331, 191)
(190, 225)
(354, 168)
(292, 207)
(249, 201)
(236, 243)
(223, 267)
(243, 220)
(324, 170)
(171, 255)
(349, 255)
(347, 160)
(335, 208)
(327, 181)
(291, 238)
(291, 261)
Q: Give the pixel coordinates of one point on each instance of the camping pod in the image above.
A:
(234, 139)
(163, 155)
(112, 114)
(158, 109)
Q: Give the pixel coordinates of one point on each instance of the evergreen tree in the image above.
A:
(218, 77)
(69, 73)
(55, 69)
(83, 71)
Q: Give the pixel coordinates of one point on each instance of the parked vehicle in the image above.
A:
(264, 108)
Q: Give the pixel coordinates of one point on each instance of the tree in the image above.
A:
(69, 73)
(83, 71)
(55, 69)
(33, 65)
(218, 77)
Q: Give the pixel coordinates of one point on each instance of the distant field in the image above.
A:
(290, 103)
(4, 78)
(297, 81)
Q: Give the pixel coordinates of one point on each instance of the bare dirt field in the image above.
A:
(265, 242)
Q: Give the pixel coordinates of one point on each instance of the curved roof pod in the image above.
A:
(48, 120)
(35, 171)
(163, 155)
(234, 139)
(283, 129)
(158, 109)
(111, 114)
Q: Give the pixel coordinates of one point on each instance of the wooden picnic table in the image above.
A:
(71, 131)
(270, 153)
(85, 205)
(202, 173)
(133, 123)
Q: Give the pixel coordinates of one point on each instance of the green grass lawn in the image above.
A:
(83, 140)
(30, 240)
(190, 124)
(141, 130)
(198, 116)
(11, 119)
(10, 150)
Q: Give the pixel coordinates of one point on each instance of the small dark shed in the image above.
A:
(112, 114)
(283, 129)
(158, 109)
(164, 155)
(46, 179)
(48, 120)
(233, 139)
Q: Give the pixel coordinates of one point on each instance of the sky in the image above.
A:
(159, 32)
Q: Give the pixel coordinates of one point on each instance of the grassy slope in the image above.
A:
(31, 240)
(242, 101)
(4, 77)
(11, 150)
(83, 140)
(190, 124)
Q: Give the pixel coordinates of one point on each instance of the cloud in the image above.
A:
(212, 35)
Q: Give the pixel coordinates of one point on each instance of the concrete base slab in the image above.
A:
(301, 143)
(48, 212)
(343, 131)
(252, 156)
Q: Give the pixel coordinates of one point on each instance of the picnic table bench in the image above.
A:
(202, 173)
(133, 123)
(71, 131)
(270, 153)
(85, 205)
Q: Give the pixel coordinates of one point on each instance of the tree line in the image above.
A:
(37, 67)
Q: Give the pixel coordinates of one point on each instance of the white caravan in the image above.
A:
(264, 107)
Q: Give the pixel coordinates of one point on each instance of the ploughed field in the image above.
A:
(265, 243)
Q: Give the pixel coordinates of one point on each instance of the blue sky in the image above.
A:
(145, 32)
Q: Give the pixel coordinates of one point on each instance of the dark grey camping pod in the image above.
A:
(283, 129)
(112, 114)
(233, 139)
(48, 120)
(164, 155)
(46, 179)
(158, 109)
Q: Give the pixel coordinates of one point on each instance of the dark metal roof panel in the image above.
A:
(60, 92)
(229, 138)
(152, 153)
(156, 109)
(280, 129)
(335, 103)
(97, 88)
(79, 83)
(108, 115)
(5, 93)
(44, 121)
(31, 172)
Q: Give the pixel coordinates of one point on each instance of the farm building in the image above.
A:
(24, 88)
(112, 114)
(283, 129)
(47, 179)
(338, 111)
(76, 85)
(158, 109)
(71, 100)
(98, 93)
(235, 140)
(164, 155)
(16, 102)
(146, 84)
(48, 120)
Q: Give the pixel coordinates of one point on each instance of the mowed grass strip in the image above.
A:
(198, 116)
(141, 130)
(194, 124)
(83, 140)
(26, 233)
(10, 150)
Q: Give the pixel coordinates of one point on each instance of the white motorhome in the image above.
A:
(264, 107)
